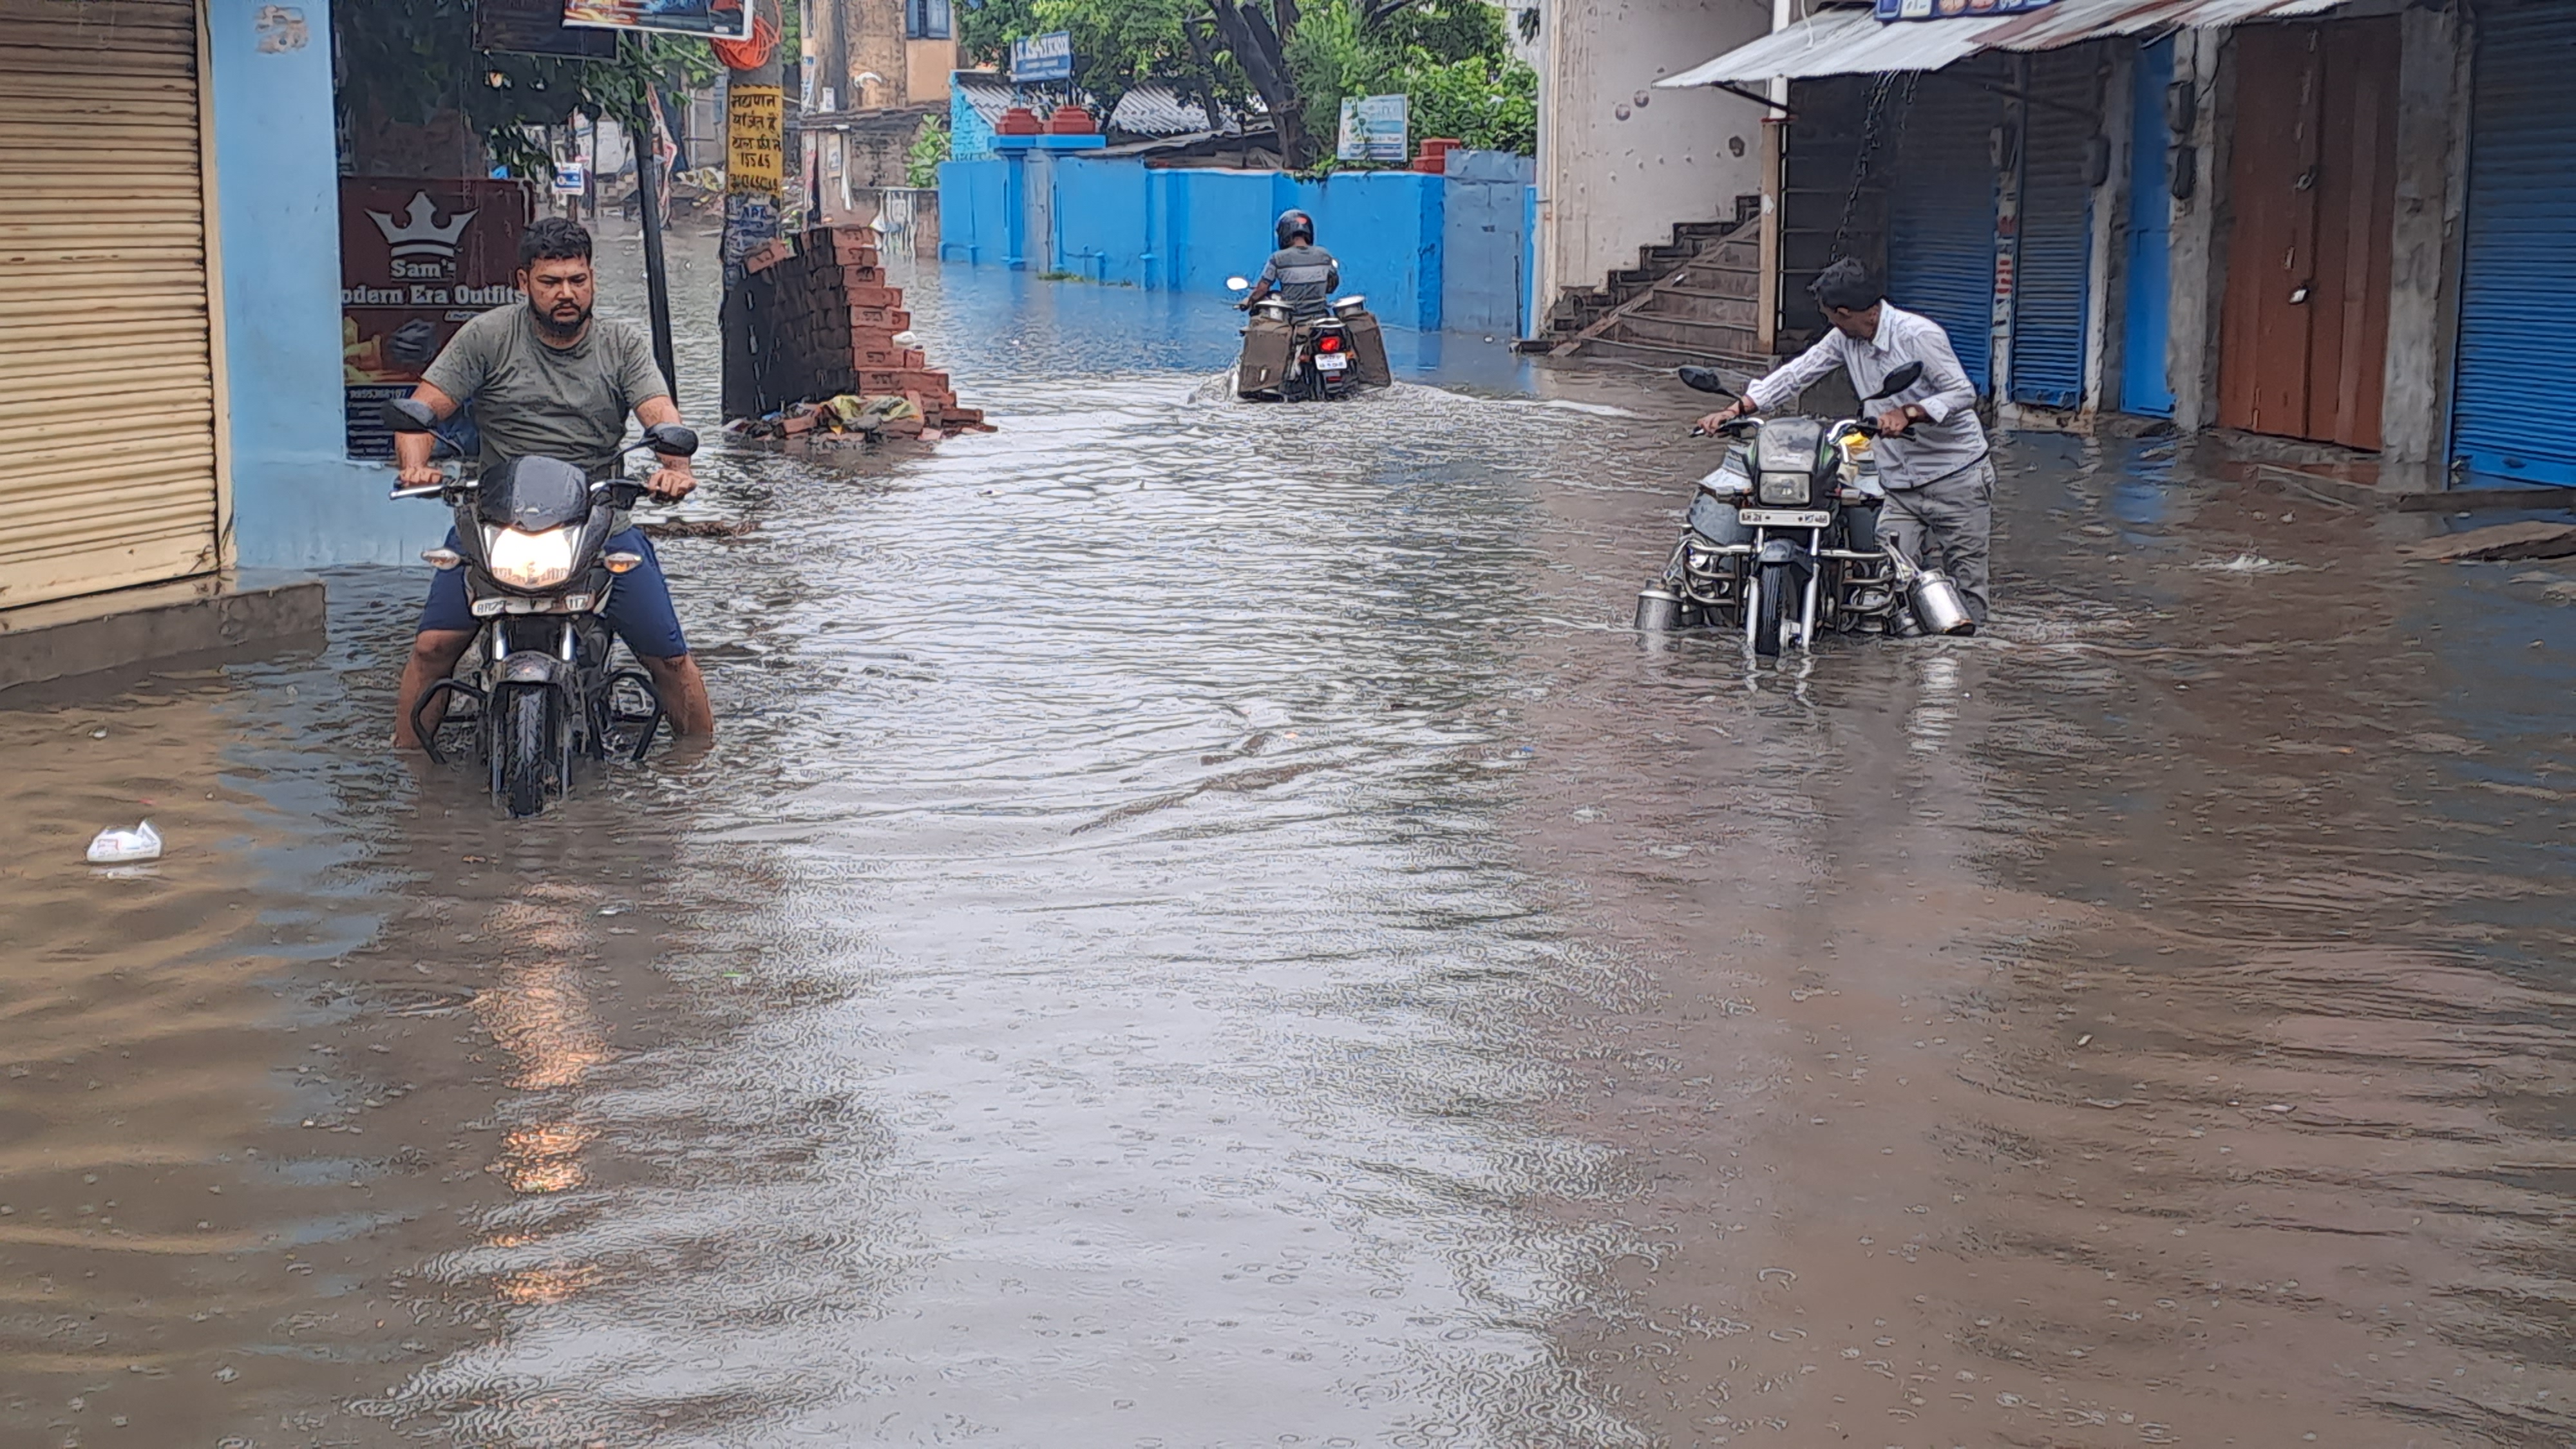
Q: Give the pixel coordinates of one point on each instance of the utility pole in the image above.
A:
(755, 175)
(657, 277)
(1775, 124)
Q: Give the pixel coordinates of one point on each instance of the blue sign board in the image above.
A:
(1952, 9)
(1047, 57)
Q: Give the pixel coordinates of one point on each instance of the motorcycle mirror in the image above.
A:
(672, 440)
(409, 415)
(1704, 379)
(1237, 284)
(1899, 380)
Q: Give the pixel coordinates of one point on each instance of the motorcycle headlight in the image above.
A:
(1784, 489)
(529, 560)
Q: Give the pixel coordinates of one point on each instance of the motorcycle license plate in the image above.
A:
(1783, 517)
(1332, 362)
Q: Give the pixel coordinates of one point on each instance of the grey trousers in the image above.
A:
(1947, 524)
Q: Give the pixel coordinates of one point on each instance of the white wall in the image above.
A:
(1610, 185)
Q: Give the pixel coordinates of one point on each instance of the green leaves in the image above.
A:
(930, 146)
(1448, 56)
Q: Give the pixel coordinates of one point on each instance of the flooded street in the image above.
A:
(1203, 927)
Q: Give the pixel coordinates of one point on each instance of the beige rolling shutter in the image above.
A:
(107, 386)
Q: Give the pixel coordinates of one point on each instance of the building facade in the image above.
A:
(1620, 161)
(169, 320)
(2335, 223)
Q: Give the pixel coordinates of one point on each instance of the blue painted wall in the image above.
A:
(1118, 222)
(2147, 319)
(297, 501)
(1484, 244)
(970, 136)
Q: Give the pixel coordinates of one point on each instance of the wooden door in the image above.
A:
(2304, 329)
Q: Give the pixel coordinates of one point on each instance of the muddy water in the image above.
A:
(1201, 930)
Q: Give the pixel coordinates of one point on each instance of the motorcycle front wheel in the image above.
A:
(524, 751)
(1770, 597)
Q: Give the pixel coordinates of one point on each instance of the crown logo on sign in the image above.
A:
(418, 234)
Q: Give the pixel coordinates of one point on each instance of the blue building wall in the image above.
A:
(297, 500)
(1118, 222)
(970, 136)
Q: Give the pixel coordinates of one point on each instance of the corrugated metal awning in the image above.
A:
(1857, 42)
(1839, 42)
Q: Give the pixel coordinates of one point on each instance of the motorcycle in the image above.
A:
(532, 536)
(1782, 540)
(1326, 359)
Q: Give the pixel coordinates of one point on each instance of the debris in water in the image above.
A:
(124, 847)
(2246, 563)
(2528, 539)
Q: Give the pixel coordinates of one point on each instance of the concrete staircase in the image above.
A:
(1693, 300)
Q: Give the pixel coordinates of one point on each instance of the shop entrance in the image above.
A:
(2304, 329)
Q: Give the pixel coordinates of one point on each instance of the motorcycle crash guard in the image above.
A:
(1269, 349)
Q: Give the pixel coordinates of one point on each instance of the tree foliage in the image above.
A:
(930, 146)
(407, 61)
(1118, 45)
(1448, 57)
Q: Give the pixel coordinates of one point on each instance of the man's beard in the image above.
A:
(547, 324)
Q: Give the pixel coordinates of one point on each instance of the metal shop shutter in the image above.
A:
(2516, 371)
(107, 383)
(2051, 305)
(1941, 214)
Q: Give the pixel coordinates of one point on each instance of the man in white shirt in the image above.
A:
(1932, 453)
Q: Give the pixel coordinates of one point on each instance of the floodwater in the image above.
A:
(1202, 927)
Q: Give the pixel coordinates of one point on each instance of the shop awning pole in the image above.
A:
(657, 278)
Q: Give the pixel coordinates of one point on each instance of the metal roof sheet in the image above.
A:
(1857, 42)
(1157, 109)
(1838, 42)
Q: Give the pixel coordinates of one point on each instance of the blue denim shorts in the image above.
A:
(639, 602)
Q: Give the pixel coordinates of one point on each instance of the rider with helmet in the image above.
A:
(1302, 273)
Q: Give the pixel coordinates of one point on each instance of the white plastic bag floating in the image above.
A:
(123, 847)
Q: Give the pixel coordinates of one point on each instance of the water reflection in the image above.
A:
(1201, 927)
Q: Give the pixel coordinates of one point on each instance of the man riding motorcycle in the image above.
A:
(549, 380)
(1302, 273)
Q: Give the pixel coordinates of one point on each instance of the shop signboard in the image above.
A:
(418, 259)
(1374, 128)
(1952, 9)
(1047, 57)
(536, 27)
(714, 19)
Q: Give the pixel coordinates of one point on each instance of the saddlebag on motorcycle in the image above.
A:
(1368, 349)
(1269, 350)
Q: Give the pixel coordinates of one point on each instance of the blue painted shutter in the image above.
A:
(1941, 215)
(2049, 303)
(2516, 310)
(2147, 326)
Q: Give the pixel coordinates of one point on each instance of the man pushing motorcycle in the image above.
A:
(550, 380)
(1932, 454)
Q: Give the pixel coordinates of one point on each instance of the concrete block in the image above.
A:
(240, 615)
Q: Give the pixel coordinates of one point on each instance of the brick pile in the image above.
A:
(823, 322)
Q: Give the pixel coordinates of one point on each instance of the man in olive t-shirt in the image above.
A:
(547, 379)
(538, 397)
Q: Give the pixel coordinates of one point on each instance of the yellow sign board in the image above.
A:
(755, 140)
